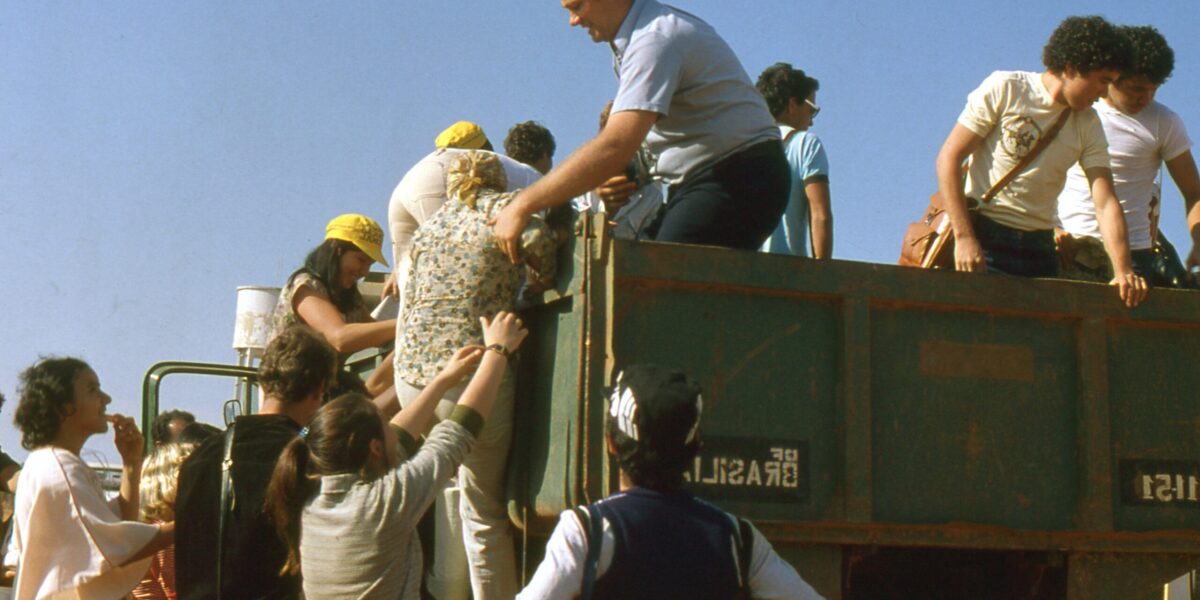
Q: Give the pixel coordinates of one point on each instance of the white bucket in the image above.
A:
(252, 326)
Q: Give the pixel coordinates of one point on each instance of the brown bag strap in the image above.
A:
(1041, 145)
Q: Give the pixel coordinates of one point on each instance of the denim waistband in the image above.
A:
(987, 228)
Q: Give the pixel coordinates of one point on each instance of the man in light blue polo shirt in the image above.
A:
(682, 90)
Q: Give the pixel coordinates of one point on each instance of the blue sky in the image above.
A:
(155, 156)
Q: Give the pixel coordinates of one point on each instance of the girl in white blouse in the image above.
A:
(68, 541)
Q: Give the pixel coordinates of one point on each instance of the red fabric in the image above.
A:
(159, 582)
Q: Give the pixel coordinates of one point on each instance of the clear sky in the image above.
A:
(154, 156)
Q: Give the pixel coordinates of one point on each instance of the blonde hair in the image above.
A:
(472, 172)
(160, 481)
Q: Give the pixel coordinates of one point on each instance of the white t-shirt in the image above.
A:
(1011, 110)
(67, 539)
(560, 576)
(1138, 145)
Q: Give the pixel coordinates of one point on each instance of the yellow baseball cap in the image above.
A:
(463, 134)
(362, 231)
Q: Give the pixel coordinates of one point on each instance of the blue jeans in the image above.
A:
(1143, 264)
(1016, 252)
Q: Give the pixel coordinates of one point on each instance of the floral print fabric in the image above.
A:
(285, 313)
(459, 275)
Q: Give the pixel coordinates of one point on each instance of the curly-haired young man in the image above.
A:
(791, 97)
(297, 367)
(1142, 136)
(531, 143)
(653, 539)
(1004, 119)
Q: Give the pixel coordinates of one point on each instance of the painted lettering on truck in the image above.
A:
(751, 469)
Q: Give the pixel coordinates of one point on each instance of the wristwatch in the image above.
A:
(500, 349)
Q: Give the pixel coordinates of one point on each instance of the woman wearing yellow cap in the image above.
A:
(323, 294)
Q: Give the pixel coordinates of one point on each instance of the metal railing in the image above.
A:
(153, 381)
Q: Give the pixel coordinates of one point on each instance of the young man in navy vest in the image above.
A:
(655, 540)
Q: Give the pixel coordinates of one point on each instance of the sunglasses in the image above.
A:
(815, 109)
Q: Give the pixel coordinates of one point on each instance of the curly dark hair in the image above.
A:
(295, 363)
(1087, 44)
(1152, 57)
(45, 390)
(161, 428)
(196, 433)
(779, 83)
(528, 142)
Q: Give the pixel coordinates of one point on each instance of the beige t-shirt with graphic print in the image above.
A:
(1011, 110)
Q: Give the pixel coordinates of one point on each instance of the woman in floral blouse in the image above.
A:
(459, 275)
(323, 294)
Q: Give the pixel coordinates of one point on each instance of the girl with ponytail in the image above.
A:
(344, 501)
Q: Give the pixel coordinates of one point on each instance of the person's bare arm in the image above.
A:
(415, 417)
(388, 403)
(590, 165)
(505, 330)
(383, 377)
(129, 442)
(320, 314)
(1183, 170)
(968, 254)
(165, 537)
(391, 288)
(615, 192)
(1111, 218)
(820, 217)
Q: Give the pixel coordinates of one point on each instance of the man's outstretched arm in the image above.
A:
(589, 166)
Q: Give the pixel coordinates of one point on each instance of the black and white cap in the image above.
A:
(655, 406)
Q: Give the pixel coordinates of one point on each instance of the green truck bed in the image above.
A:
(878, 422)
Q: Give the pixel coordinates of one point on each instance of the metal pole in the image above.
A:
(247, 396)
(242, 390)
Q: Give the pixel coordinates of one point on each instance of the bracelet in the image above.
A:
(500, 349)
